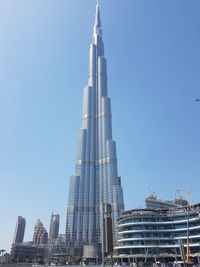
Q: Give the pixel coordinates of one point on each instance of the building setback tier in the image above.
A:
(96, 181)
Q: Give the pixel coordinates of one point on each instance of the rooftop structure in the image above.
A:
(156, 204)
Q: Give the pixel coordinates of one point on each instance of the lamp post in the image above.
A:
(103, 235)
(107, 232)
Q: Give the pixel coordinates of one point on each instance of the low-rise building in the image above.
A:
(28, 252)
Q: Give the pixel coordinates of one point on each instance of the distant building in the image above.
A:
(54, 227)
(27, 252)
(58, 246)
(40, 235)
(146, 235)
(156, 204)
(19, 230)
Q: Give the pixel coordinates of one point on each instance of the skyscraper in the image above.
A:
(54, 227)
(96, 179)
(40, 235)
(19, 230)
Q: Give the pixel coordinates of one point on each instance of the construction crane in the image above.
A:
(188, 257)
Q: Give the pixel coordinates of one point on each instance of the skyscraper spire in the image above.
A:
(96, 178)
(97, 25)
(97, 16)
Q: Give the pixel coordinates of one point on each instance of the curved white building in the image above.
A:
(96, 178)
(148, 234)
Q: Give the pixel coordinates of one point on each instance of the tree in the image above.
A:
(7, 257)
(2, 251)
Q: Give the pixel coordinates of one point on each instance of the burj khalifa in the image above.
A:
(96, 179)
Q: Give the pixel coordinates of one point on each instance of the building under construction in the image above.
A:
(171, 235)
(156, 204)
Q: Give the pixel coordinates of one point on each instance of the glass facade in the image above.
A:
(54, 227)
(20, 229)
(96, 178)
(152, 232)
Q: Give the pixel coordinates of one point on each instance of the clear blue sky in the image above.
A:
(153, 52)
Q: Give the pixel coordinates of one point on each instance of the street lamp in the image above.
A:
(107, 235)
